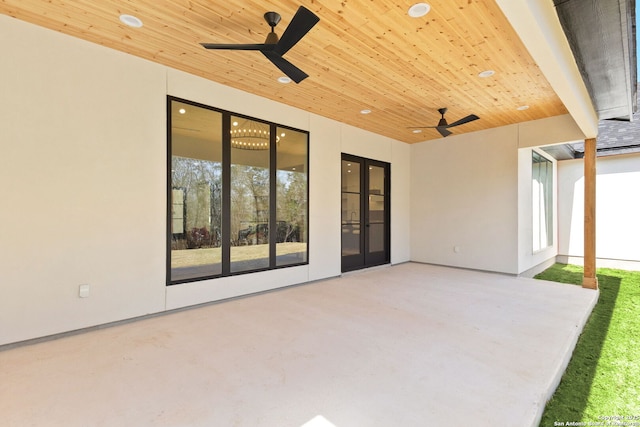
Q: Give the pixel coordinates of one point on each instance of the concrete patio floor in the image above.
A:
(408, 345)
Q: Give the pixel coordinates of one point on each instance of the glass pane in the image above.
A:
(376, 180)
(542, 201)
(350, 208)
(351, 239)
(549, 202)
(376, 209)
(350, 176)
(351, 226)
(249, 194)
(376, 237)
(291, 197)
(196, 182)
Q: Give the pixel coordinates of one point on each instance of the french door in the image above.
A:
(365, 213)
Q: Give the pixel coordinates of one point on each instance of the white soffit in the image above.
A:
(538, 26)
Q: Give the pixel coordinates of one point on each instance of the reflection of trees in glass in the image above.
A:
(249, 205)
(196, 192)
(202, 184)
(291, 205)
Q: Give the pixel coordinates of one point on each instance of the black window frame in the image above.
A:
(226, 194)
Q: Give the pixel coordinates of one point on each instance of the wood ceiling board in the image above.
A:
(361, 54)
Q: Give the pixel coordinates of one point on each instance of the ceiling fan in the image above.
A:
(443, 126)
(273, 48)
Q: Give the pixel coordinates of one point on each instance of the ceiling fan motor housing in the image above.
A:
(272, 19)
(442, 121)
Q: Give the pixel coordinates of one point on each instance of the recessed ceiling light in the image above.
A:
(235, 123)
(182, 111)
(486, 73)
(365, 111)
(131, 21)
(522, 108)
(419, 9)
(282, 135)
(284, 80)
(417, 131)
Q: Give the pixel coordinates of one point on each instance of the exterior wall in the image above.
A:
(401, 203)
(472, 193)
(617, 208)
(549, 131)
(464, 210)
(83, 168)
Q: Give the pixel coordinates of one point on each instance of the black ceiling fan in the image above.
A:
(273, 48)
(443, 126)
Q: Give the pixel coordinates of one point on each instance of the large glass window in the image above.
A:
(542, 201)
(196, 191)
(238, 191)
(291, 197)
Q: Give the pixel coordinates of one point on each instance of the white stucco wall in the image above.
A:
(473, 193)
(464, 210)
(401, 198)
(549, 131)
(83, 175)
(83, 168)
(617, 211)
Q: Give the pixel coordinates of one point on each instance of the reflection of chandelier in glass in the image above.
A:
(251, 135)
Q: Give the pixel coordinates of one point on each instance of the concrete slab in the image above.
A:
(409, 345)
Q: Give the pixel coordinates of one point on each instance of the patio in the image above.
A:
(408, 345)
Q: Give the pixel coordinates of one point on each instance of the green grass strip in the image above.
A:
(601, 385)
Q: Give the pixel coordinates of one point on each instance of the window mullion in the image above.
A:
(272, 195)
(226, 194)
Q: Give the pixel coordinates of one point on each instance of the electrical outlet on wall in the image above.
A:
(83, 291)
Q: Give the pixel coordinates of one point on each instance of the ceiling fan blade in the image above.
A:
(261, 46)
(464, 120)
(300, 25)
(443, 131)
(293, 72)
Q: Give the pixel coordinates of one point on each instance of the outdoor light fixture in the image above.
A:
(131, 21)
(486, 73)
(418, 10)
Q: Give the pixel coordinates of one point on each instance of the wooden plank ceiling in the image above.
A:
(363, 54)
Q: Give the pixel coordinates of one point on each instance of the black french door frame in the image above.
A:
(366, 213)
